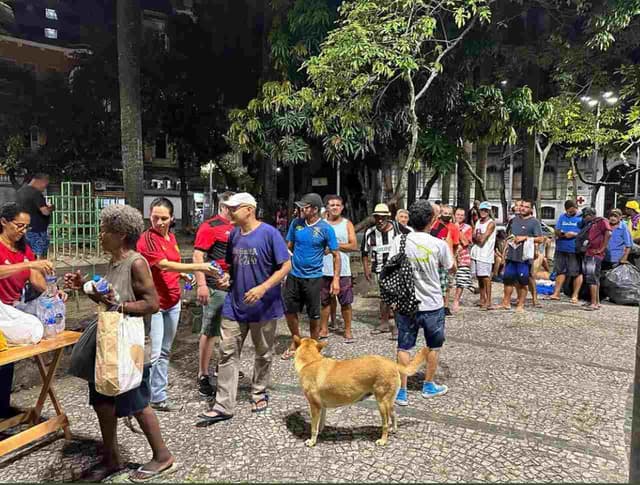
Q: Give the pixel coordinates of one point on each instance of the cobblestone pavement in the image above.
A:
(543, 396)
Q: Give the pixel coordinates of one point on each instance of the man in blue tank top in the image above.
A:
(346, 236)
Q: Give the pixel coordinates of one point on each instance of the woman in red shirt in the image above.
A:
(17, 266)
(159, 247)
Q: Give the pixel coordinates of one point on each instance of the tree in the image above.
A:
(377, 46)
(129, 40)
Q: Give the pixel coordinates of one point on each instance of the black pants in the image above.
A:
(6, 382)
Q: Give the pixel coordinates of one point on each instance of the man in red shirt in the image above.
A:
(211, 245)
(443, 228)
(598, 240)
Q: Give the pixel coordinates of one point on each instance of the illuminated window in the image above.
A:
(51, 33)
(50, 14)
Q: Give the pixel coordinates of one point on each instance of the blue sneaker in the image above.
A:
(402, 399)
(431, 389)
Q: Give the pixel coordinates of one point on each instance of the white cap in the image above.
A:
(243, 198)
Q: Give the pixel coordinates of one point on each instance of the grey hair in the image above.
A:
(402, 211)
(123, 219)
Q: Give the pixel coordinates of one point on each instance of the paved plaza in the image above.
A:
(544, 396)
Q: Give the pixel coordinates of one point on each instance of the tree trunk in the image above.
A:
(129, 41)
(269, 195)
(184, 188)
(445, 192)
(412, 188)
(543, 153)
(292, 190)
(482, 156)
(528, 169)
(464, 180)
(426, 191)
(503, 190)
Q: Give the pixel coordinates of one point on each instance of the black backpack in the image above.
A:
(397, 288)
(582, 239)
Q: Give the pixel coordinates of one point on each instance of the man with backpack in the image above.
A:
(375, 248)
(426, 254)
(598, 232)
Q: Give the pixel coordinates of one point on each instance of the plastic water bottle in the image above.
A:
(186, 292)
(49, 319)
(52, 287)
(218, 269)
(102, 287)
(60, 310)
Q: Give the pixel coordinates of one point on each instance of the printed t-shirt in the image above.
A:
(11, 287)
(154, 247)
(212, 238)
(377, 244)
(529, 227)
(309, 243)
(253, 258)
(567, 223)
(426, 254)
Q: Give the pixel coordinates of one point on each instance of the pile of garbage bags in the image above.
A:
(622, 284)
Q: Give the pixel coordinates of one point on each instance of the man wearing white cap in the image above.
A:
(258, 261)
(375, 249)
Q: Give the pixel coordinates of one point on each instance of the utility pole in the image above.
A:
(634, 455)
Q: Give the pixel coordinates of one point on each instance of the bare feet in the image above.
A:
(574, 300)
(552, 297)
(519, 309)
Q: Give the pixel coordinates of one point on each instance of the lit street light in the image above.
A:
(596, 101)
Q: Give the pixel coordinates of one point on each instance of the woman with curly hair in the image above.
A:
(129, 274)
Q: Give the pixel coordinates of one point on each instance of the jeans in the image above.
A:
(164, 326)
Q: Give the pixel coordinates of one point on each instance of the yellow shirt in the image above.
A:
(635, 234)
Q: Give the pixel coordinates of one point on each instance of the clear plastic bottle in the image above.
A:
(48, 318)
(102, 287)
(218, 268)
(60, 310)
(50, 328)
(52, 287)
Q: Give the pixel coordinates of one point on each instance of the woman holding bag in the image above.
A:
(130, 277)
(18, 267)
(159, 247)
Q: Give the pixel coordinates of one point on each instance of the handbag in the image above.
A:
(397, 288)
(83, 355)
(119, 353)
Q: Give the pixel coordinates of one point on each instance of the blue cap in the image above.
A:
(485, 206)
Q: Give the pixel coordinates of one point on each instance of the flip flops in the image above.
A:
(153, 475)
(378, 331)
(261, 409)
(206, 420)
(288, 354)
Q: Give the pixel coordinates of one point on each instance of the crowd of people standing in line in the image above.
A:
(267, 276)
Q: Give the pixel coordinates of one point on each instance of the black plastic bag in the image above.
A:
(83, 356)
(622, 284)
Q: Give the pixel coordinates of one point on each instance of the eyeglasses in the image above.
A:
(21, 226)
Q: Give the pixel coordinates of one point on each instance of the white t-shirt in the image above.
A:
(426, 254)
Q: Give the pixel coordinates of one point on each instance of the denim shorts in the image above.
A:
(38, 242)
(432, 324)
(212, 313)
(516, 272)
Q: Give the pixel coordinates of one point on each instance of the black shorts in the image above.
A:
(303, 292)
(566, 263)
(127, 404)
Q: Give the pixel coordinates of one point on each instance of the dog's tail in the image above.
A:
(415, 364)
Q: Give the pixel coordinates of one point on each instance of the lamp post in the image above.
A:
(596, 101)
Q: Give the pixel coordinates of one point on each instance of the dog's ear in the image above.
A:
(321, 345)
(296, 341)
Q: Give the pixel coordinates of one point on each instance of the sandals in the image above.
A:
(260, 409)
(206, 420)
(349, 340)
(152, 475)
(378, 331)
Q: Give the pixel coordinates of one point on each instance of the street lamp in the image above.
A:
(609, 98)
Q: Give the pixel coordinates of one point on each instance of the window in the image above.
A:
(548, 213)
(493, 178)
(161, 146)
(549, 178)
(167, 183)
(51, 33)
(51, 14)
(34, 138)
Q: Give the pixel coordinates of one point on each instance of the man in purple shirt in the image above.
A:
(258, 260)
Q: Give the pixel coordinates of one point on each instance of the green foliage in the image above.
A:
(436, 151)
(615, 17)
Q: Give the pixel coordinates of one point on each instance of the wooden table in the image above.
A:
(32, 416)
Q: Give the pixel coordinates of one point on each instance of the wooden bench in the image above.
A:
(36, 429)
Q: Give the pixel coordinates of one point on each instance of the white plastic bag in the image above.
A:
(528, 250)
(119, 353)
(19, 327)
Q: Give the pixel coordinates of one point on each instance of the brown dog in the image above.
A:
(329, 383)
